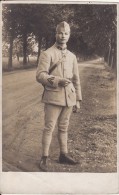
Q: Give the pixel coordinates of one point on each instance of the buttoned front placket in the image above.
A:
(63, 65)
(64, 53)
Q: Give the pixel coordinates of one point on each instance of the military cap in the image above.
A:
(63, 25)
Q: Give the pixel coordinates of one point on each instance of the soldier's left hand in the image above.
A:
(76, 108)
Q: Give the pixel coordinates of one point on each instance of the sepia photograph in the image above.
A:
(59, 87)
(59, 97)
(59, 111)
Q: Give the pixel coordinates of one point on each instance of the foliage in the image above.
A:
(93, 27)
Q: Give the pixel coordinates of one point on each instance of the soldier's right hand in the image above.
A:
(64, 82)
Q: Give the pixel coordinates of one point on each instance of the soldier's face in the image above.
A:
(62, 36)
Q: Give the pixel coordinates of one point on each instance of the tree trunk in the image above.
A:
(112, 60)
(39, 48)
(28, 59)
(114, 52)
(109, 55)
(106, 55)
(24, 49)
(115, 59)
(10, 53)
(17, 54)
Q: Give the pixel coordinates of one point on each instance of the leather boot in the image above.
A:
(44, 163)
(66, 159)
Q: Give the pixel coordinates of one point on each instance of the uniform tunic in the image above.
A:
(68, 68)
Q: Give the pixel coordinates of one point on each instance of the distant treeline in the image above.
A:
(30, 28)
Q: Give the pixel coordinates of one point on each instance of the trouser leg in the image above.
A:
(63, 122)
(51, 115)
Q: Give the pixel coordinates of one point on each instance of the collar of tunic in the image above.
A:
(59, 47)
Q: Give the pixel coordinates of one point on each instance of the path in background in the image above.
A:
(92, 132)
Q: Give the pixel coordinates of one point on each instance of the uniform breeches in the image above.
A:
(60, 115)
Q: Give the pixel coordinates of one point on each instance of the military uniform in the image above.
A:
(62, 97)
(54, 94)
(58, 100)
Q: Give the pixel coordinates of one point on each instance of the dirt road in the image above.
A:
(92, 132)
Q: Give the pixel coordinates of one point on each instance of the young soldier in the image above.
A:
(58, 72)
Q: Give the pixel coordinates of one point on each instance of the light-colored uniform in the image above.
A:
(58, 100)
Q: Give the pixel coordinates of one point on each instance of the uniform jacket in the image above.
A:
(68, 68)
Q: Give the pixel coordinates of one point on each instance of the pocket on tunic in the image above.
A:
(73, 89)
(70, 88)
(71, 92)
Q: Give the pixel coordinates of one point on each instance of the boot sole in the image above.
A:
(68, 163)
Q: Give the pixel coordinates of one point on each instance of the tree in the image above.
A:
(97, 24)
(24, 14)
(9, 29)
(93, 27)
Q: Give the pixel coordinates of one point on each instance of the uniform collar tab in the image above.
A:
(59, 47)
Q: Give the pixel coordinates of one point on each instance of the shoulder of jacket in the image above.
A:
(72, 54)
(48, 51)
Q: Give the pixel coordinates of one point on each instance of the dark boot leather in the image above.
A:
(44, 163)
(66, 159)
